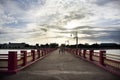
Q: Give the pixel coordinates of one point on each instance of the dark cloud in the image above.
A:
(11, 37)
(57, 27)
(83, 27)
(63, 32)
(57, 37)
(114, 35)
(44, 29)
(74, 15)
(26, 4)
(103, 2)
(2, 32)
(36, 35)
(102, 35)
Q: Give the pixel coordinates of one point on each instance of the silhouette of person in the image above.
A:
(62, 49)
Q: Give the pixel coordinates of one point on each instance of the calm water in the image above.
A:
(111, 51)
(5, 51)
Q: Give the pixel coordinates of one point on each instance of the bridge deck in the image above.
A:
(61, 67)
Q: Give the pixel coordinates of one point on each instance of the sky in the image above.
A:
(54, 21)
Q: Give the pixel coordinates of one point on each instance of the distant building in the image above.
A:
(26, 46)
(12, 45)
(108, 44)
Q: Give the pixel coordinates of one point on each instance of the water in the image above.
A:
(108, 51)
(5, 51)
(113, 54)
(116, 52)
(111, 51)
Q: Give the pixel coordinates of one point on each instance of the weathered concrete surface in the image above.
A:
(61, 67)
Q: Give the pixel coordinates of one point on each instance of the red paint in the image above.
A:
(33, 54)
(79, 52)
(12, 61)
(24, 57)
(90, 55)
(84, 52)
(113, 61)
(38, 52)
(101, 58)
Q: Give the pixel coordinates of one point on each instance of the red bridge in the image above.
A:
(75, 64)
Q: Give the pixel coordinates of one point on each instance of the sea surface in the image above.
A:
(5, 51)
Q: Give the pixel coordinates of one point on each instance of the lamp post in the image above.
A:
(76, 37)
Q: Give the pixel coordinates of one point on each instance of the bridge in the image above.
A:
(49, 64)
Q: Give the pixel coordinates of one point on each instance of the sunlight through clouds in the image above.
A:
(46, 21)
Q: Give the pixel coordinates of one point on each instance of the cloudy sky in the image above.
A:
(48, 21)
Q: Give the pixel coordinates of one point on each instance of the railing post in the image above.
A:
(45, 50)
(84, 52)
(24, 57)
(38, 52)
(101, 57)
(79, 52)
(12, 61)
(42, 52)
(33, 52)
(76, 51)
(90, 55)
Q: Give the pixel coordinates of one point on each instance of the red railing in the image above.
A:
(109, 62)
(13, 62)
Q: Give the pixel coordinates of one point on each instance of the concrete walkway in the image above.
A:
(61, 67)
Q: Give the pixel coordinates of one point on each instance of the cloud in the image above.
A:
(105, 2)
(42, 19)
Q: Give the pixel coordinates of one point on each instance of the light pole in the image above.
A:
(76, 37)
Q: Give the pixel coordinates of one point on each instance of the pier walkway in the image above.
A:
(61, 67)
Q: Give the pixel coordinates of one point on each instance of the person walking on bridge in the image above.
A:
(62, 49)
